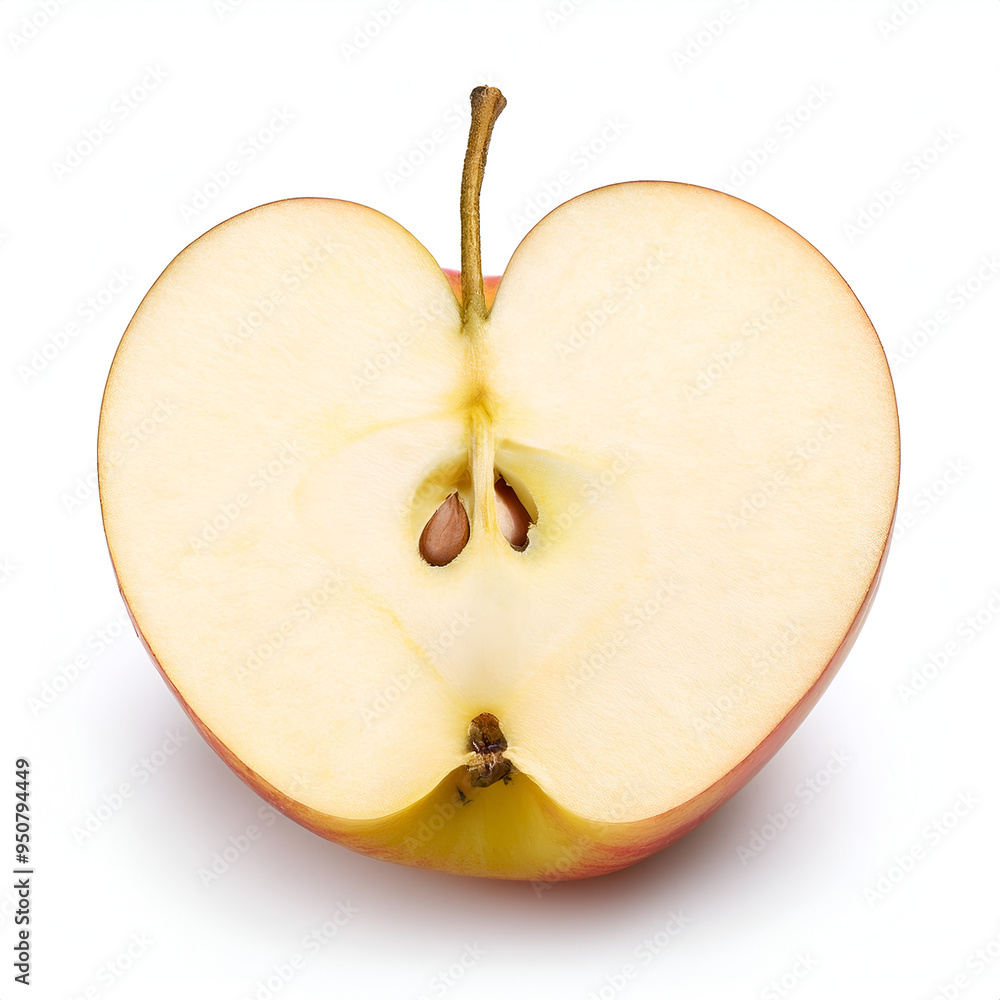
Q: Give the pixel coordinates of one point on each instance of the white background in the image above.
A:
(119, 906)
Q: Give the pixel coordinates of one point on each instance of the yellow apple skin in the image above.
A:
(516, 830)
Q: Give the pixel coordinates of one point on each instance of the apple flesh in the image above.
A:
(692, 421)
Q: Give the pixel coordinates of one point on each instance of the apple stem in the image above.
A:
(487, 103)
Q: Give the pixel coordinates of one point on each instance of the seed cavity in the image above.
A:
(446, 533)
(513, 518)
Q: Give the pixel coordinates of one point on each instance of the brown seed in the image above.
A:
(512, 517)
(446, 533)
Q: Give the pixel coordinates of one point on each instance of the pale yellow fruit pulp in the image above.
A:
(687, 398)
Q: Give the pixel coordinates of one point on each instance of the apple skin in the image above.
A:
(489, 285)
(517, 831)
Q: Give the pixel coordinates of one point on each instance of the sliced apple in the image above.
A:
(522, 591)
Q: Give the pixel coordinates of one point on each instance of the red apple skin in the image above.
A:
(558, 845)
(489, 285)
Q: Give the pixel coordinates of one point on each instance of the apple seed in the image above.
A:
(512, 518)
(446, 533)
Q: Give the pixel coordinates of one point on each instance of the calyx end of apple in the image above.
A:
(488, 743)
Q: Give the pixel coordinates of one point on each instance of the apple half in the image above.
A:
(524, 586)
